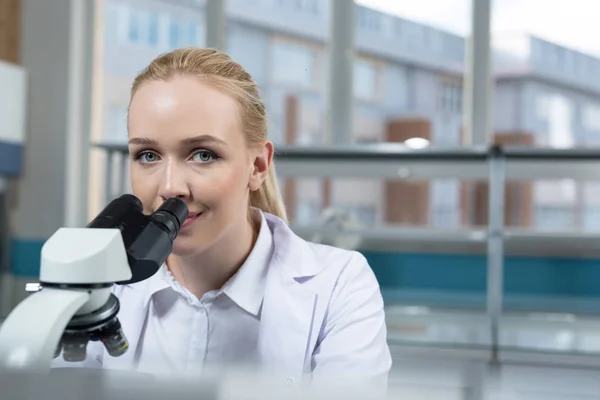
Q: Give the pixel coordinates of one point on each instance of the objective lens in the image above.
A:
(75, 348)
(58, 350)
(114, 339)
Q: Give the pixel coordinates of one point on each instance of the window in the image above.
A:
(369, 19)
(174, 35)
(554, 217)
(569, 61)
(143, 28)
(398, 28)
(312, 6)
(542, 104)
(194, 35)
(444, 216)
(580, 64)
(435, 40)
(294, 64)
(591, 219)
(305, 6)
(550, 53)
(310, 125)
(451, 98)
(135, 26)
(445, 203)
(184, 34)
(365, 79)
(590, 118)
(560, 116)
(153, 28)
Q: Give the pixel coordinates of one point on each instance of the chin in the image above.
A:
(183, 247)
(192, 242)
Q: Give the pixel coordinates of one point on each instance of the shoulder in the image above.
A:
(345, 263)
(303, 258)
(350, 339)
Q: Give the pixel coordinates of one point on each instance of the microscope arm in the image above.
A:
(31, 333)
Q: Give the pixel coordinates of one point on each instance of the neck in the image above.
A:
(211, 269)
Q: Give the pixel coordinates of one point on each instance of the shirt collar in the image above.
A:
(245, 288)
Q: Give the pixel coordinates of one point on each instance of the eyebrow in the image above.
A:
(196, 140)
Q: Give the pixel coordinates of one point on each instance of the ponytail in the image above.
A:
(268, 197)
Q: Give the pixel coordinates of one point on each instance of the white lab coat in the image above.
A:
(322, 316)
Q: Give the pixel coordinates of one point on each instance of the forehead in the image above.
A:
(182, 107)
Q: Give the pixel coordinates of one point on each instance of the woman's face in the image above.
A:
(186, 141)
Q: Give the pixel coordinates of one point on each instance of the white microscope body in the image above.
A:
(79, 267)
(89, 261)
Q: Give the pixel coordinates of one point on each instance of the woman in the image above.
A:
(239, 288)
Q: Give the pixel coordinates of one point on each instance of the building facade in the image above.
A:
(407, 83)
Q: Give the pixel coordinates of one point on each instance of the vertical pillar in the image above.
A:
(341, 93)
(79, 110)
(518, 196)
(56, 52)
(495, 249)
(216, 18)
(478, 80)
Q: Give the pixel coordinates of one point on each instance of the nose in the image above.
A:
(173, 182)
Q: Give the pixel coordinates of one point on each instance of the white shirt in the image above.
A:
(184, 334)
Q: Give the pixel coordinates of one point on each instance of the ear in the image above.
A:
(262, 159)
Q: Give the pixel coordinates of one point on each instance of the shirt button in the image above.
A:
(289, 382)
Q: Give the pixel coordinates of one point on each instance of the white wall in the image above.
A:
(13, 101)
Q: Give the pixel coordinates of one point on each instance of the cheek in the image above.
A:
(227, 186)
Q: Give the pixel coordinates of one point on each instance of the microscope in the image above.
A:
(79, 267)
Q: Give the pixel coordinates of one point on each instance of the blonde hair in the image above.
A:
(221, 71)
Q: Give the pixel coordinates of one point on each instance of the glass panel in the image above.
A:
(366, 79)
(551, 298)
(415, 74)
(153, 29)
(561, 110)
(408, 83)
(294, 64)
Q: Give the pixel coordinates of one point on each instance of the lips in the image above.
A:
(190, 219)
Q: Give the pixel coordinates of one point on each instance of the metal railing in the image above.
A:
(494, 165)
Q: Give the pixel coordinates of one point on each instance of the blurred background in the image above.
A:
(384, 113)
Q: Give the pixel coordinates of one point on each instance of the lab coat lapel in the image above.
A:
(132, 316)
(286, 322)
(288, 307)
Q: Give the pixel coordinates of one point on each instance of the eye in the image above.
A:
(204, 156)
(147, 157)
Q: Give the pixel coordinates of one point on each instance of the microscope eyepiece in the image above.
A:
(148, 239)
(176, 207)
(172, 213)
